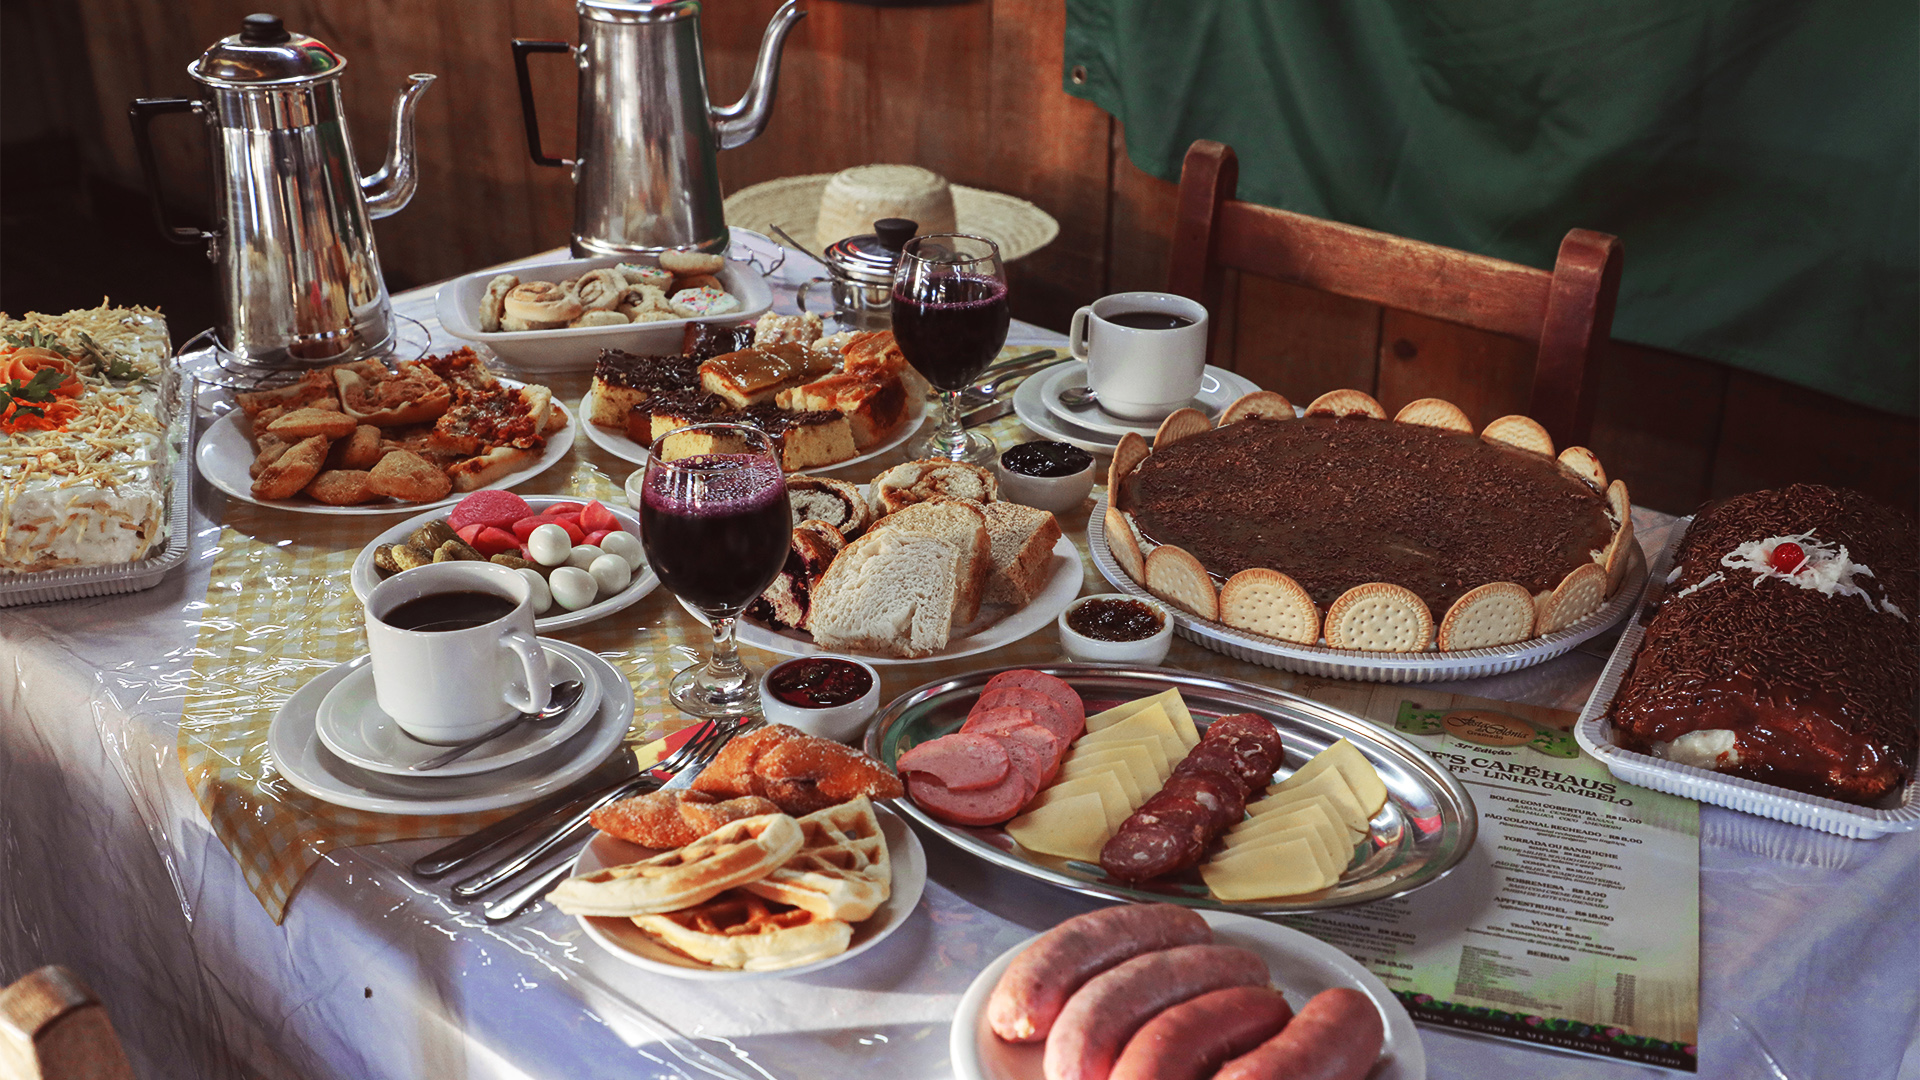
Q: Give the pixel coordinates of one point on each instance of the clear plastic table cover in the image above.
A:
(109, 864)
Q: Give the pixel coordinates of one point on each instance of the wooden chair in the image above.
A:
(1568, 312)
(53, 1028)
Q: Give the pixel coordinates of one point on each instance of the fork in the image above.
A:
(464, 851)
(577, 829)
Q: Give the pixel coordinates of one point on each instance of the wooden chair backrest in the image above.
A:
(1568, 312)
(52, 1027)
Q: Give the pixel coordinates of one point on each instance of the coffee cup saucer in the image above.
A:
(351, 724)
(1216, 393)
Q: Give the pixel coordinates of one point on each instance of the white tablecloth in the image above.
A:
(1808, 954)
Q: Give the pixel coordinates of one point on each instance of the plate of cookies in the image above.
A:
(558, 316)
(776, 861)
(361, 438)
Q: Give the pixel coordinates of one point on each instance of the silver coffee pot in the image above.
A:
(300, 281)
(644, 170)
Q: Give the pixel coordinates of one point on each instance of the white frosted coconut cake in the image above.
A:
(83, 463)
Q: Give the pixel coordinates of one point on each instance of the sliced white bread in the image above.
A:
(964, 525)
(890, 592)
(1022, 539)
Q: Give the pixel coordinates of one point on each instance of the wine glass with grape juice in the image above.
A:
(950, 318)
(716, 528)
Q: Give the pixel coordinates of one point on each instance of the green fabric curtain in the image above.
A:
(1757, 159)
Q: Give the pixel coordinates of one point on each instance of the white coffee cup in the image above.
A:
(449, 686)
(1141, 374)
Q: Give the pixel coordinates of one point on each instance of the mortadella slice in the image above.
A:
(1018, 723)
(1057, 689)
(1047, 712)
(987, 806)
(961, 762)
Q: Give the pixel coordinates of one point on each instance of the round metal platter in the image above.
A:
(1427, 826)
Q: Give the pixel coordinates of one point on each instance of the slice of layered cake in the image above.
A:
(623, 382)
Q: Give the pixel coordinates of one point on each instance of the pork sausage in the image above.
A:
(1190, 1040)
(1034, 988)
(1221, 796)
(1140, 851)
(1336, 1036)
(1102, 1015)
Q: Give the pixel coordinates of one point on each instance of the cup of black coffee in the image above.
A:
(453, 649)
(1146, 352)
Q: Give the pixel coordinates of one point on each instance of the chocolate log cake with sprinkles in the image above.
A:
(1786, 649)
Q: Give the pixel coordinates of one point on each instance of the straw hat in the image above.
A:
(848, 202)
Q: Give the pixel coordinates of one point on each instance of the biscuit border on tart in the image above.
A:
(1618, 504)
(1181, 424)
(1435, 413)
(1354, 621)
(1519, 432)
(1581, 593)
(1174, 575)
(1586, 465)
(1347, 403)
(1619, 554)
(1125, 549)
(1267, 404)
(1269, 603)
(1474, 621)
(1127, 456)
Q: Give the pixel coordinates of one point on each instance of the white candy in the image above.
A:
(536, 584)
(583, 555)
(610, 572)
(573, 588)
(627, 546)
(549, 545)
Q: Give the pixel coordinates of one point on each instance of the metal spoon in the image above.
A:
(559, 702)
(797, 245)
(1079, 397)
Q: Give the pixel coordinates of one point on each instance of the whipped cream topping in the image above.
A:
(1827, 569)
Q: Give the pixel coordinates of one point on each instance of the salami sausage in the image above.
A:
(986, 806)
(1336, 1036)
(1190, 1040)
(1211, 757)
(1141, 851)
(1221, 796)
(1102, 1015)
(1254, 746)
(961, 762)
(1036, 986)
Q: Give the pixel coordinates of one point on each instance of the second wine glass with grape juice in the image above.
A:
(950, 318)
(716, 528)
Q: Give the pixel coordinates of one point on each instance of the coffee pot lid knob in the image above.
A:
(265, 53)
(263, 29)
(895, 232)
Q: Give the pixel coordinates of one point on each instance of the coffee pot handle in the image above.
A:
(140, 114)
(522, 48)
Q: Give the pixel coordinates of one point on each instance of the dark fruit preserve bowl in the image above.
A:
(1114, 628)
(822, 694)
(1051, 476)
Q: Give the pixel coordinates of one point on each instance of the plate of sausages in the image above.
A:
(1162, 992)
(1241, 732)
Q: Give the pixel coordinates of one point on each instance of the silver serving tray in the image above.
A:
(74, 582)
(1426, 828)
(1330, 663)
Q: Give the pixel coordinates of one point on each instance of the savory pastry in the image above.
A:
(312, 386)
(406, 476)
(341, 487)
(493, 304)
(360, 450)
(801, 773)
(307, 422)
(373, 395)
(1785, 649)
(671, 819)
(267, 450)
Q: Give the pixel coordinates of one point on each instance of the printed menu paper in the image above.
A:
(1575, 920)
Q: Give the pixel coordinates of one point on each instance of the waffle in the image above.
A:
(840, 872)
(737, 929)
(744, 850)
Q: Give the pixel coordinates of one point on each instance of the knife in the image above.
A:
(986, 413)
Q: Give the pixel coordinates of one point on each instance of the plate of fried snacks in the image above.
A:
(775, 862)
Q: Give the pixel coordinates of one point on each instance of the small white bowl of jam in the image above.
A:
(1114, 628)
(829, 696)
(1045, 475)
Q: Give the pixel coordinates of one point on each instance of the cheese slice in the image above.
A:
(1143, 765)
(1071, 828)
(1330, 861)
(1287, 869)
(1150, 721)
(1169, 701)
(1119, 770)
(1333, 835)
(1120, 712)
(1318, 805)
(1113, 798)
(1361, 777)
(1328, 784)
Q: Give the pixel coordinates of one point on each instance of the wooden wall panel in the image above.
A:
(1487, 375)
(1656, 423)
(1301, 342)
(1775, 433)
(1140, 234)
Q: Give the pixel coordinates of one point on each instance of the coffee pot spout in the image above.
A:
(389, 190)
(742, 122)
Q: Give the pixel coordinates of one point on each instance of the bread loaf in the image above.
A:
(1022, 540)
(964, 525)
(890, 592)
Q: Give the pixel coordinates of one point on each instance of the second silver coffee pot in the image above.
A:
(644, 169)
(299, 278)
